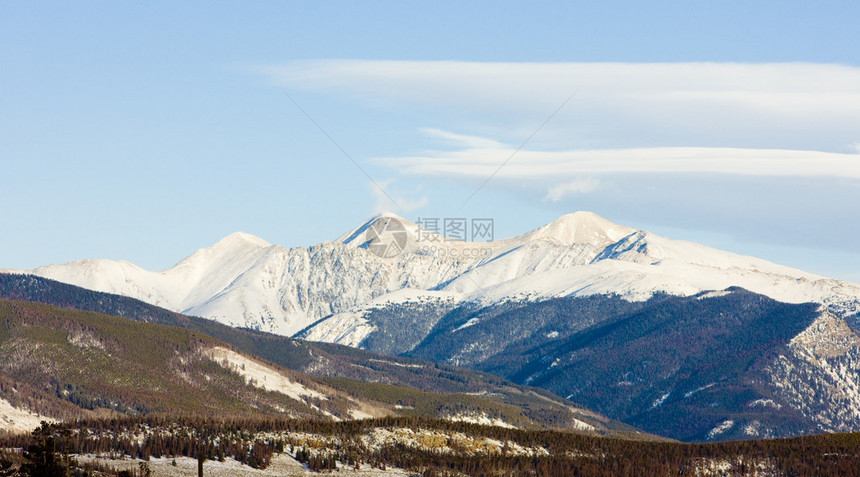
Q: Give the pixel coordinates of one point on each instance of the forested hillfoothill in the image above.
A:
(63, 363)
(730, 365)
(406, 446)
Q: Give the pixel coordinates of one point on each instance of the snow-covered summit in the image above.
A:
(241, 239)
(388, 223)
(355, 236)
(243, 280)
(235, 245)
(579, 227)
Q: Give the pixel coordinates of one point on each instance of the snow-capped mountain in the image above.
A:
(245, 281)
(580, 254)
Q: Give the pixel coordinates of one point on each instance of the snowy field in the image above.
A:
(18, 420)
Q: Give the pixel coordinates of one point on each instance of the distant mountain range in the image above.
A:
(245, 281)
(678, 339)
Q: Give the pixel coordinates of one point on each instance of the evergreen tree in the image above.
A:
(43, 460)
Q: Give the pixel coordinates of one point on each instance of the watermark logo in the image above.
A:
(436, 229)
(386, 237)
(483, 230)
(450, 236)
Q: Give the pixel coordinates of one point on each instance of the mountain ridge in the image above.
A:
(243, 280)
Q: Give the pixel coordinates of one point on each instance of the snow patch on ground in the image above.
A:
(721, 428)
(402, 365)
(359, 414)
(260, 375)
(482, 419)
(439, 441)
(19, 420)
(85, 339)
(659, 401)
(411, 295)
(753, 429)
(583, 426)
(686, 395)
(350, 327)
(714, 294)
(471, 322)
(765, 403)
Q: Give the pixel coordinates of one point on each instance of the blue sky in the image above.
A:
(144, 131)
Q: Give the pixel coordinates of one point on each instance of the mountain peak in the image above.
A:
(351, 236)
(580, 227)
(241, 239)
(236, 248)
(388, 214)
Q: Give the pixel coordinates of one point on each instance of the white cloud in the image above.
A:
(617, 105)
(762, 85)
(770, 120)
(560, 173)
(463, 139)
(562, 191)
(531, 164)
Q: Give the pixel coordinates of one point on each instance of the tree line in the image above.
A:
(254, 442)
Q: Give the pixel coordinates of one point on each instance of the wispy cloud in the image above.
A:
(531, 164)
(463, 140)
(785, 119)
(619, 105)
(575, 187)
(395, 201)
(560, 173)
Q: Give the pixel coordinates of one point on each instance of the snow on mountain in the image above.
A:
(245, 281)
(820, 374)
(350, 328)
(197, 278)
(578, 227)
(17, 419)
(641, 264)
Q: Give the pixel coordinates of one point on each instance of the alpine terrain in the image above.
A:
(244, 281)
(673, 337)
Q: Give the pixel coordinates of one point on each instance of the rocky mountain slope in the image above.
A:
(731, 365)
(716, 365)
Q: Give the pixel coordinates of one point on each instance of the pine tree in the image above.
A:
(43, 460)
